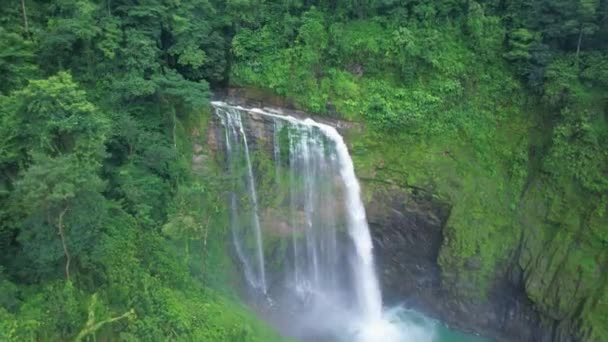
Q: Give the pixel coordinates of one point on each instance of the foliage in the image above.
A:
(98, 102)
(497, 107)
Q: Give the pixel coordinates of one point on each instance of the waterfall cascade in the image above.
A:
(320, 274)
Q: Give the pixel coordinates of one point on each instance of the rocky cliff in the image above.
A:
(409, 224)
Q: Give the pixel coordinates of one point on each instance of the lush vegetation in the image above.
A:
(499, 108)
(107, 231)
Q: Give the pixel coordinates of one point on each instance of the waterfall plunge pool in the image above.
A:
(330, 324)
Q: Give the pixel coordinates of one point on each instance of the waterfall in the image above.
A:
(366, 281)
(324, 246)
(231, 119)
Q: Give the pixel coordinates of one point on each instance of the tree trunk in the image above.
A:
(206, 232)
(25, 24)
(63, 243)
(92, 326)
(578, 46)
(187, 249)
(174, 129)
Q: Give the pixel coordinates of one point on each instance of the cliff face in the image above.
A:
(407, 225)
(563, 262)
(524, 257)
(548, 283)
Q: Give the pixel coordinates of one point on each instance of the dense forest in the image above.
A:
(107, 232)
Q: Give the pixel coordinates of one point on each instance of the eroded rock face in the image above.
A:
(258, 128)
(407, 230)
(407, 233)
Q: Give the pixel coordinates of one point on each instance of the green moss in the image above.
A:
(562, 257)
(481, 223)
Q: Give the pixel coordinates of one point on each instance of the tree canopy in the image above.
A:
(107, 232)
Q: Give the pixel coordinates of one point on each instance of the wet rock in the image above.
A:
(473, 263)
(407, 230)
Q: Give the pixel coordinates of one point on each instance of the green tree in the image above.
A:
(54, 117)
(58, 197)
(57, 138)
(16, 61)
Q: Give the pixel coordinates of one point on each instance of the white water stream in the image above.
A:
(325, 286)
